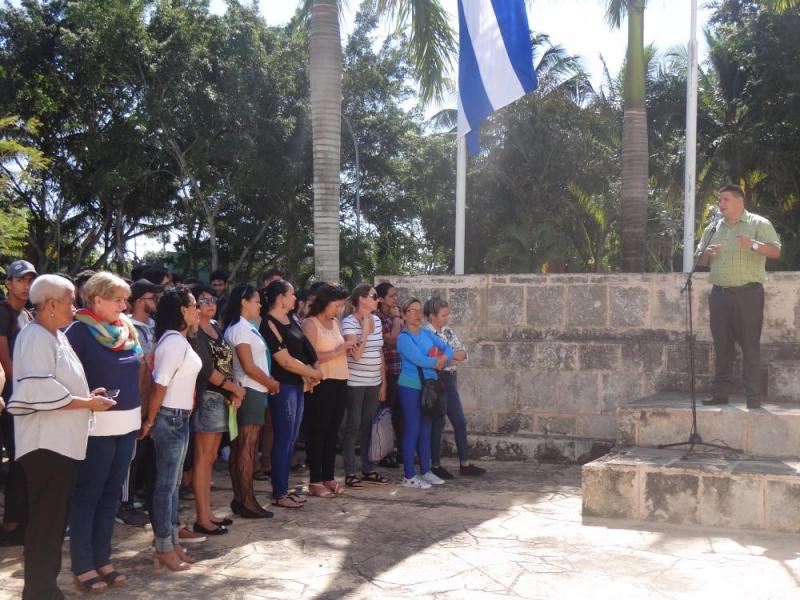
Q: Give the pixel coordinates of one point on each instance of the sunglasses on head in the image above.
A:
(207, 301)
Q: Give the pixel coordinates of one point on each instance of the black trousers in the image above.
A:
(737, 317)
(15, 495)
(51, 477)
(324, 410)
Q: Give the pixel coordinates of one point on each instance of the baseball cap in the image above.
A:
(20, 268)
(142, 287)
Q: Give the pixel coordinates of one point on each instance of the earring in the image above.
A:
(52, 315)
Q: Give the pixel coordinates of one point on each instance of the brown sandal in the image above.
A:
(334, 486)
(319, 490)
(286, 502)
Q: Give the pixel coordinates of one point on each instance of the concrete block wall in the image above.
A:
(557, 354)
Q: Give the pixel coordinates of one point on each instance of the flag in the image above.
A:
(495, 61)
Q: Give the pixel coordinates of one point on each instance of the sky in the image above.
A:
(577, 25)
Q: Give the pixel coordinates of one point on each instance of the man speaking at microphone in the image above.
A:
(740, 244)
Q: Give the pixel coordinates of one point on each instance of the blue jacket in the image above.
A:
(413, 349)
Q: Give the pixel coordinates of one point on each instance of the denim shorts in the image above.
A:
(211, 414)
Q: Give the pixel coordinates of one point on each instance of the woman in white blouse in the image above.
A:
(52, 409)
(176, 367)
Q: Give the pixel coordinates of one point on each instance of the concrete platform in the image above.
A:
(707, 489)
(771, 431)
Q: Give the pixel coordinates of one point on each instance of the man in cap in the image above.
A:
(13, 317)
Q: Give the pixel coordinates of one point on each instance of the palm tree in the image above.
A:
(431, 44)
(634, 135)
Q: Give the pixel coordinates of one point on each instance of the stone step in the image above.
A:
(783, 380)
(709, 490)
(770, 431)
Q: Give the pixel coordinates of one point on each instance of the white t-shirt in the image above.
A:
(243, 332)
(176, 368)
(366, 371)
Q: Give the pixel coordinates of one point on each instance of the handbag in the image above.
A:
(432, 401)
(382, 441)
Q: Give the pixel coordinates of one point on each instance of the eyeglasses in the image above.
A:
(413, 310)
(206, 301)
(373, 295)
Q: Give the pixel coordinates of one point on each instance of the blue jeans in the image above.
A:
(93, 506)
(171, 439)
(286, 409)
(417, 433)
(455, 412)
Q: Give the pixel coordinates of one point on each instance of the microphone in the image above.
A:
(716, 220)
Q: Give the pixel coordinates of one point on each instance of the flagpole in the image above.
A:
(690, 167)
(461, 202)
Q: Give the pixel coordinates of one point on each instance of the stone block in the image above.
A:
(596, 427)
(677, 357)
(725, 427)
(670, 308)
(482, 356)
(782, 506)
(556, 355)
(784, 380)
(546, 306)
(464, 305)
(618, 388)
(556, 425)
(662, 427)
(513, 423)
(643, 356)
(488, 389)
(608, 491)
(587, 305)
(518, 355)
(599, 356)
(577, 393)
(629, 306)
(774, 434)
(506, 305)
(732, 503)
(671, 497)
(537, 391)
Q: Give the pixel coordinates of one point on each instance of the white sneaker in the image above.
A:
(416, 482)
(433, 478)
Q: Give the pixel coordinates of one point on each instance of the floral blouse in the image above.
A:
(449, 336)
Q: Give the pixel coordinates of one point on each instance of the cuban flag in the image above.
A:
(495, 64)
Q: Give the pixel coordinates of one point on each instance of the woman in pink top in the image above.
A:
(325, 404)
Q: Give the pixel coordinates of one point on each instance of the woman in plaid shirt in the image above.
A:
(437, 311)
(389, 314)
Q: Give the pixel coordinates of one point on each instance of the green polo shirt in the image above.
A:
(735, 266)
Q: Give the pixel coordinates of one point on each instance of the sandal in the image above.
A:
(113, 578)
(94, 585)
(320, 491)
(334, 486)
(297, 498)
(374, 477)
(286, 502)
(352, 481)
(262, 475)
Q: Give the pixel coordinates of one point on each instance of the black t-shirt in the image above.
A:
(294, 341)
(11, 322)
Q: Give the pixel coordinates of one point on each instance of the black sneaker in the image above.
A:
(128, 515)
(389, 462)
(471, 470)
(441, 472)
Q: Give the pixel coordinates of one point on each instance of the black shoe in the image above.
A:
(223, 522)
(714, 401)
(389, 462)
(219, 530)
(240, 509)
(441, 472)
(128, 515)
(471, 470)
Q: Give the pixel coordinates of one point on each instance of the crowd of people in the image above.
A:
(116, 389)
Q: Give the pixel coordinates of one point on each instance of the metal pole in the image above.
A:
(358, 192)
(461, 202)
(690, 167)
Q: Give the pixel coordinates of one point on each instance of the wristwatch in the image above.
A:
(754, 246)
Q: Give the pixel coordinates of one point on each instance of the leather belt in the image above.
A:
(736, 289)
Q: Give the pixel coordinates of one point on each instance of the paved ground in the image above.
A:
(516, 533)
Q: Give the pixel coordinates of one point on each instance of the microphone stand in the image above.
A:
(695, 438)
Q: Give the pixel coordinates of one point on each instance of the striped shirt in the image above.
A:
(366, 371)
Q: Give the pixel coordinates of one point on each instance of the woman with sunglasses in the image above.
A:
(251, 366)
(215, 388)
(366, 384)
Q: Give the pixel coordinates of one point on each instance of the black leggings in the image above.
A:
(324, 410)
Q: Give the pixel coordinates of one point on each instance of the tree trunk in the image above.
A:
(634, 147)
(326, 120)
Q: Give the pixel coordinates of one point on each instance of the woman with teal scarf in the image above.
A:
(106, 344)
